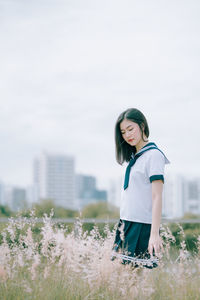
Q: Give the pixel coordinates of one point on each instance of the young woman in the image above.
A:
(138, 234)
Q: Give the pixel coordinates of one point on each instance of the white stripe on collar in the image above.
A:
(146, 147)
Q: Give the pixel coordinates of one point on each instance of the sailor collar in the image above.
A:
(149, 146)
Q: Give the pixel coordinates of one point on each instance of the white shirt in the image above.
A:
(136, 199)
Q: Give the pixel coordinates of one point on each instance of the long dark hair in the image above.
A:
(122, 148)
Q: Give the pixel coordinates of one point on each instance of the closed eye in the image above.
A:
(128, 130)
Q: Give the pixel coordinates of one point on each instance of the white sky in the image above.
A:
(69, 68)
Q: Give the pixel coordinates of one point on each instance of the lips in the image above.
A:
(130, 140)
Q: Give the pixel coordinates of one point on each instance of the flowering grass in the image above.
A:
(58, 264)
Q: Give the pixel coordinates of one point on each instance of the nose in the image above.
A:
(127, 134)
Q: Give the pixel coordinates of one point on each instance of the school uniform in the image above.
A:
(134, 227)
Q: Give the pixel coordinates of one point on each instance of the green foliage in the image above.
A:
(191, 233)
(5, 211)
(190, 216)
(46, 206)
(79, 267)
(101, 210)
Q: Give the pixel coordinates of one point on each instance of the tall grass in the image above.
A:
(58, 264)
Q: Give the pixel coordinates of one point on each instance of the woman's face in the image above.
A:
(131, 132)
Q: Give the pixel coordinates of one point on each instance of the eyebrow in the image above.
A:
(126, 127)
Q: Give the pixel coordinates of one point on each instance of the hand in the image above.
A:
(155, 242)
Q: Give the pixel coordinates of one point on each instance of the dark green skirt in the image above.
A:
(132, 239)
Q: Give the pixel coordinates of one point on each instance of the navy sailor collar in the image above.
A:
(150, 145)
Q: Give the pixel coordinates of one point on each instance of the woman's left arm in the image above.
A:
(155, 241)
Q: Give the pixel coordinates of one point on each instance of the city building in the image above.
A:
(86, 191)
(18, 199)
(54, 179)
(173, 196)
(2, 193)
(179, 195)
(114, 191)
(192, 196)
(15, 198)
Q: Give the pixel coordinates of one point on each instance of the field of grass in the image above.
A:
(58, 263)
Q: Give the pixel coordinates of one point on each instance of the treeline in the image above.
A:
(5, 211)
(101, 210)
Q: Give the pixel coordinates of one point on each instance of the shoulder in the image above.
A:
(155, 155)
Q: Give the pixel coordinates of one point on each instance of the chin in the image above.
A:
(132, 143)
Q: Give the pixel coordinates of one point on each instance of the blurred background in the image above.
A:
(68, 69)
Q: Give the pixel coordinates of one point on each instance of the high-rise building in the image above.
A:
(54, 179)
(18, 199)
(173, 196)
(114, 192)
(85, 186)
(15, 197)
(181, 196)
(192, 196)
(2, 193)
(86, 191)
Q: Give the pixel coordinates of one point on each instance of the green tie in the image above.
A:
(133, 160)
(128, 170)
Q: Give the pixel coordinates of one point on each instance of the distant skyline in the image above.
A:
(69, 68)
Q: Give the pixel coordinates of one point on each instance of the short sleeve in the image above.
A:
(156, 165)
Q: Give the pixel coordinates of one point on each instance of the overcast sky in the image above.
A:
(69, 68)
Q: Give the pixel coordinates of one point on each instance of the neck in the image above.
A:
(140, 145)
